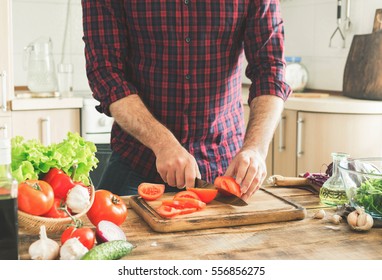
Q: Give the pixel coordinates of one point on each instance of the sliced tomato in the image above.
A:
(205, 195)
(166, 211)
(151, 191)
(187, 194)
(227, 185)
(189, 202)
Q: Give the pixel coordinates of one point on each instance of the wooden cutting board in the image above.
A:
(362, 75)
(263, 207)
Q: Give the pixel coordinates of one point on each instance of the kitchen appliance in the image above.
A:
(40, 66)
(263, 207)
(96, 127)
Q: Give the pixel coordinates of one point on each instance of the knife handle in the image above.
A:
(278, 180)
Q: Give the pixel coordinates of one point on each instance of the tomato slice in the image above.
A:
(187, 194)
(166, 211)
(190, 202)
(205, 195)
(151, 191)
(227, 185)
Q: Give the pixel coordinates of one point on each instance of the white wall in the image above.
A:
(308, 27)
(35, 18)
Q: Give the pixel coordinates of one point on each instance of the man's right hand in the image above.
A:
(176, 166)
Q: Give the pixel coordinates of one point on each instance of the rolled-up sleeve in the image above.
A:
(264, 50)
(106, 45)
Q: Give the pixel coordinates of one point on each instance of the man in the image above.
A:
(169, 73)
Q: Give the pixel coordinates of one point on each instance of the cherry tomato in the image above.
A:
(35, 197)
(107, 206)
(167, 211)
(56, 210)
(187, 194)
(205, 195)
(150, 191)
(85, 235)
(227, 185)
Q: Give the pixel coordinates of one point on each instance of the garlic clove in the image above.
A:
(320, 214)
(335, 219)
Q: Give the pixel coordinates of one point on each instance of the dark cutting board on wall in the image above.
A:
(363, 70)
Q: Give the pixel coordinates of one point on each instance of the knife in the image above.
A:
(232, 199)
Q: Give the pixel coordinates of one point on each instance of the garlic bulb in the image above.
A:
(44, 248)
(72, 249)
(359, 220)
(78, 199)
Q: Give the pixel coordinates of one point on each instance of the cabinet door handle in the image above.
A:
(3, 93)
(45, 131)
(281, 134)
(300, 123)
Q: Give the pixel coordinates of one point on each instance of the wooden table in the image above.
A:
(307, 239)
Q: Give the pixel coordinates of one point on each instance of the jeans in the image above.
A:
(120, 179)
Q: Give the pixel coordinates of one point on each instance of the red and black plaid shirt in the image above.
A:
(184, 59)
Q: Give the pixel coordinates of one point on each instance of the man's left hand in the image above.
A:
(249, 170)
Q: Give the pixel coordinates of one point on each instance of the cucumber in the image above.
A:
(111, 250)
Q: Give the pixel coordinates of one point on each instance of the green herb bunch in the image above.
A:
(369, 196)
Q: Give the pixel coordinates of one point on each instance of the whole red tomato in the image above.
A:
(35, 197)
(107, 206)
(84, 234)
(60, 182)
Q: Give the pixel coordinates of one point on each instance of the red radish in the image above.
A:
(108, 231)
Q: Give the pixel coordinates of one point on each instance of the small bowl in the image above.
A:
(362, 178)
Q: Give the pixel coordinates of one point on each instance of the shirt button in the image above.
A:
(188, 77)
(186, 2)
(188, 39)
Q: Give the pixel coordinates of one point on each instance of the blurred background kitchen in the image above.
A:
(310, 128)
(309, 25)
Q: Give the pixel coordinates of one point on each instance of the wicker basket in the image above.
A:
(31, 223)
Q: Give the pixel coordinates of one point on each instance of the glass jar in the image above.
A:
(333, 191)
(296, 74)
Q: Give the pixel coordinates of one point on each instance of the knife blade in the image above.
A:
(232, 200)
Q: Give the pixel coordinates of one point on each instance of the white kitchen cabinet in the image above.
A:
(304, 141)
(47, 126)
(6, 56)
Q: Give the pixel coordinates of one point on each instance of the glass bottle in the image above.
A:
(9, 249)
(333, 191)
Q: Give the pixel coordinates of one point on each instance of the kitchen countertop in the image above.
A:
(18, 104)
(309, 238)
(330, 104)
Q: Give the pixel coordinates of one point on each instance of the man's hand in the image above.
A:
(248, 166)
(176, 166)
(249, 169)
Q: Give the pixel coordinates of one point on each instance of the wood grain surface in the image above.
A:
(306, 239)
(263, 207)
